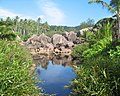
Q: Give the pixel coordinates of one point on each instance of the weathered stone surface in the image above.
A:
(32, 40)
(72, 36)
(77, 41)
(85, 29)
(59, 40)
(43, 44)
(44, 39)
(65, 34)
(39, 41)
(69, 45)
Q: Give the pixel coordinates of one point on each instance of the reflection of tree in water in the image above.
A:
(64, 60)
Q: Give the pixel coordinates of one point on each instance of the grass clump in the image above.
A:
(15, 63)
(98, 76)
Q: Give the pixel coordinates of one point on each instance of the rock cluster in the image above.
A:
(43, 44)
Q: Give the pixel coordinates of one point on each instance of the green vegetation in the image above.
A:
(15, 77)
(15, 63)
(27, 27)
(99, 74)
(88, 23)
(113, 7)
(79, 49)
(6, 31)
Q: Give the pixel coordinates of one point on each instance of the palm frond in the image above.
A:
(104, 4)
(94, 1)
(110, 8)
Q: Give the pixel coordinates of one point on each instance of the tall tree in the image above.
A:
(15, 21)
(113, 7)
(46, 27)
(38, 25)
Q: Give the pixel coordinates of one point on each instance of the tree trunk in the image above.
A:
(118, 25)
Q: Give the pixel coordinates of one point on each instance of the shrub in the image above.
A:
(97, 48)
(98, 77)
(78, 50)
(15, 62)
(7, 33)
(114, 52)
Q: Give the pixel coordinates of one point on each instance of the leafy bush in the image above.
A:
(115, 52)
(97, 48)
(79, 49)
(15, 79)
(90, 37)
(103, 39)
(6, 33)
(26, 37)
(98, 77)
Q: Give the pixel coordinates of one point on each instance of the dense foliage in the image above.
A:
(6, 31)
(99, 73)
(114, 7)
(15, 63)
(27, 27)
(78, 50)
(98, 76)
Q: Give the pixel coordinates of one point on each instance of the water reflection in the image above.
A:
(55, 72)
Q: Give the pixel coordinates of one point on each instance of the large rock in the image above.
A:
(44, 39)
(65, 34)
(85, 29)
(72, 36)
(69, 45)
(39, 41)
(32, 40)
(58, 40)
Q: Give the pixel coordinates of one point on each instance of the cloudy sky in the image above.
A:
(55, 12)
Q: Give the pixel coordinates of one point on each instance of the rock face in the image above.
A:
(43, 44)
(43, 39)
(85, 29)
(39, 41)
(58, 40)
(72, 36)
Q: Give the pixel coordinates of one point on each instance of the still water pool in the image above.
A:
(54, 77)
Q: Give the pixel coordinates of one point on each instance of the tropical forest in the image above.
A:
(38, 58)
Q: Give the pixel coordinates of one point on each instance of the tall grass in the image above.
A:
(97, 77)
(15, 62)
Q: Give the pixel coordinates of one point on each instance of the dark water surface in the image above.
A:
(55, 76)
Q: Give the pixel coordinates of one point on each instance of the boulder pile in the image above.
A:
(57, 44)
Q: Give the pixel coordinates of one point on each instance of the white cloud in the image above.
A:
(5, 13)
(51, 12)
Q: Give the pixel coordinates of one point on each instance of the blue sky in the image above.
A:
(55, 12)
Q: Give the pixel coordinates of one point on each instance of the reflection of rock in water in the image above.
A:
(38, 70)
(41, 60)
(64, 60)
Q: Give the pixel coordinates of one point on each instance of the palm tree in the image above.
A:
(46, 27)
(16, 23)
(113, 7)
(38, 25)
